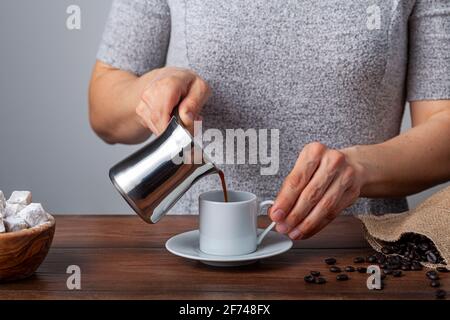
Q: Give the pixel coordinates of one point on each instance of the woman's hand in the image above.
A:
(323, 183)
(169, 87)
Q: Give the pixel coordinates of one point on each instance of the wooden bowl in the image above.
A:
(22, 252)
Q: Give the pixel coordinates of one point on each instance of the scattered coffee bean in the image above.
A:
(387, 271)
(394, 260)
(424, 246)
(342, 277)
(358, 260)
(315, 273)
(432, 275)
(349, 269)
(416, 266)
(335, 269)
(406, 267)
(309, 278)
(404, 255)
(397, 273)
(431, 257)
(387, 250)
(440, 294)
(320, 280)
(361, 269)
(435, 283)
(381, 259)
(393, 266)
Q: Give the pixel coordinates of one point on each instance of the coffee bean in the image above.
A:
(432, 275)
(431, 257)
(412, 248)
(435, 283)
(397, 273)
(387, 250)
(424, 246)
(342, 277)
(393, 266)
(358, 260)
(394, 260)
(349, 269)
(440, 294)
(371, 259)
(415, 266)
(406, 260)
(361, 269)
(387, 271)
(320, 280)
(330, 261)
(442, 269)
(381, 259)
(384, 266)
(315, 273)
(309, 278)
(335, 269)
(406, 267)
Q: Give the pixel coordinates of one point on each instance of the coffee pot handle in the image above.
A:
(175, 112)
(263, 234)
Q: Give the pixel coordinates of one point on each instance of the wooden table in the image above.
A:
(121, 257)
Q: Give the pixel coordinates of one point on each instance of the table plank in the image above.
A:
(156, 274)
(122, 257)
(96, 231)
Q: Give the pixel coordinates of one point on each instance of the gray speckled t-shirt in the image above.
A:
(333, 71)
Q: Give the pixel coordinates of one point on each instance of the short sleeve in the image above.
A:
(429, 51)
(136, 35)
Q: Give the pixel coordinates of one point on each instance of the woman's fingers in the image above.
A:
(173, 86)
(347, 200)
(304, 168)
(338, 196)
(322, 184)
(192, 103)
(330, 166)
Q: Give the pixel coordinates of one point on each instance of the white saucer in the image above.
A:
(186, 245)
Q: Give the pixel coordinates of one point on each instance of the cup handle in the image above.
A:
(263, 234)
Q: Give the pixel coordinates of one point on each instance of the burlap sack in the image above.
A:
(431, 219)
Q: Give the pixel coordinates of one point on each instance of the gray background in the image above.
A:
(46, 143)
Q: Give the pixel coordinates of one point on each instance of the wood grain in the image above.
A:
(122, 258)
(130, 231)
(22, 252)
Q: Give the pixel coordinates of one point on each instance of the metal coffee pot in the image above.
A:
(155, 177)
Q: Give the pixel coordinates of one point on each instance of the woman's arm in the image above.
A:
(412, 161)
(324, 181)
(113, 97)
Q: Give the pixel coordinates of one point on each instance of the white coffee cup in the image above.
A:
(230, 228)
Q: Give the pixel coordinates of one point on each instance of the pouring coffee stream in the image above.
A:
(156, 176)
(224, 185)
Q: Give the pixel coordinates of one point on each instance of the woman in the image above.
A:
(332, 76)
